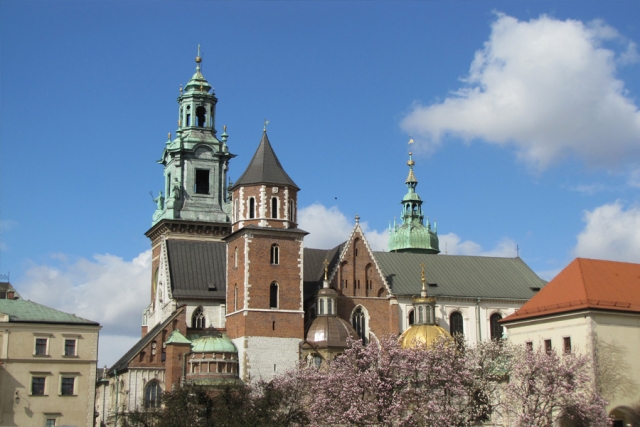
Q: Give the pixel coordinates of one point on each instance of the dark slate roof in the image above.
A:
(314, 267)
(196, 267)
(459, 276)
(24, 311)
(123, 363)
(264, 168)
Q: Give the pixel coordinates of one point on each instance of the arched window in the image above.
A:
(235, 257)
(428, 315)
(420, 314)
(198, 320)
(455, 323)
(274, 207)
(152, 393)
(275, 254)
(329, 306)
(321, 307)
(273, 295)
(359, 324)
(291, 207)
(496, 328)
(252, 207)
(411, 318)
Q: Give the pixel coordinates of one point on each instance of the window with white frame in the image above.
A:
(41, 347)
(68, 385)
(70, 346)
(38, 385)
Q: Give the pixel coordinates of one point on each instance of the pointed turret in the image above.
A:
(264, 168)
(413, 235)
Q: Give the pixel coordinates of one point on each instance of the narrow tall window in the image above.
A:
(235, 298)
(321, 307)
(359, 325)
(252, 207)
(235, 257)
(201, 115)
(273, 295)
(547, 346)
(202, 181)
(496, 328)
(275, 254)
(420, 314)
(274, 207)
(329, 306)
(456, 323)
(567, 345)
(167, 192)
(411, 317)
(198, 320)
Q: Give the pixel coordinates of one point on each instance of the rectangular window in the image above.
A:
(202, 181)
(69, 347)
(37, 386)
(567, 345)
(41, 347)
(66, 386)
(529, 345)
(51, 422)
(547, 346)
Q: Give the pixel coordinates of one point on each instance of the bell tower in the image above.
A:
(193, 212)
(195, 161)
(265, 315)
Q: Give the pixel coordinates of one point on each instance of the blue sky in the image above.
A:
(525, 117)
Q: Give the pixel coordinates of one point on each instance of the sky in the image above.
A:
(524, 116)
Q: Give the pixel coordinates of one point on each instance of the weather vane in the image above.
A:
(266, 122)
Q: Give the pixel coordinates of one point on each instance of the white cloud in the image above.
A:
(452, 244)
(545, 86)
(328, 227)
(106, 289)
(611, 232)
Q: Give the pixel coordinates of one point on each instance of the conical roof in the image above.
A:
(264, 168)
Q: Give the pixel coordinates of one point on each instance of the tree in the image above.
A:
(544, 388)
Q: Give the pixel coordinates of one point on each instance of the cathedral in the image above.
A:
(236, 296)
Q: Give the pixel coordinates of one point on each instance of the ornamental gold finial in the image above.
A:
(326, 269)
(411, 163)
(169, 136)
(423, 294)
(198, 58)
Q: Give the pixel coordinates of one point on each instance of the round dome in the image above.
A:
(330, 331)
(414, 237)
(210, 344)
(419, 335)
(327, 292)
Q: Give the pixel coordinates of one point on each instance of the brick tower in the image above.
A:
(265, 316)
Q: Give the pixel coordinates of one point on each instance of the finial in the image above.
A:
(198, 58)
(326, 269)
(266, 122)
(169, 136)
(224, 135)
(410, 163)
(423, 293)
(224, 129)
(357, 219)
(180, 88)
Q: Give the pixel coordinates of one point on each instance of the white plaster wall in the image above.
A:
(214, 312)
(466, 306)
(265, 357)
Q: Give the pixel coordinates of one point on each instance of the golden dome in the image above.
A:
(419, 335)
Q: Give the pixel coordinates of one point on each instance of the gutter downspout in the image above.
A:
(478, 329)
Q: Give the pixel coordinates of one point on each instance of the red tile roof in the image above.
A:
(586, 283)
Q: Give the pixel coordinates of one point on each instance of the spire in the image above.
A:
(412, 235)
(265, 168)
(198, 82)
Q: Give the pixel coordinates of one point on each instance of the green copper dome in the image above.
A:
(412, 235)
(212, 344)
